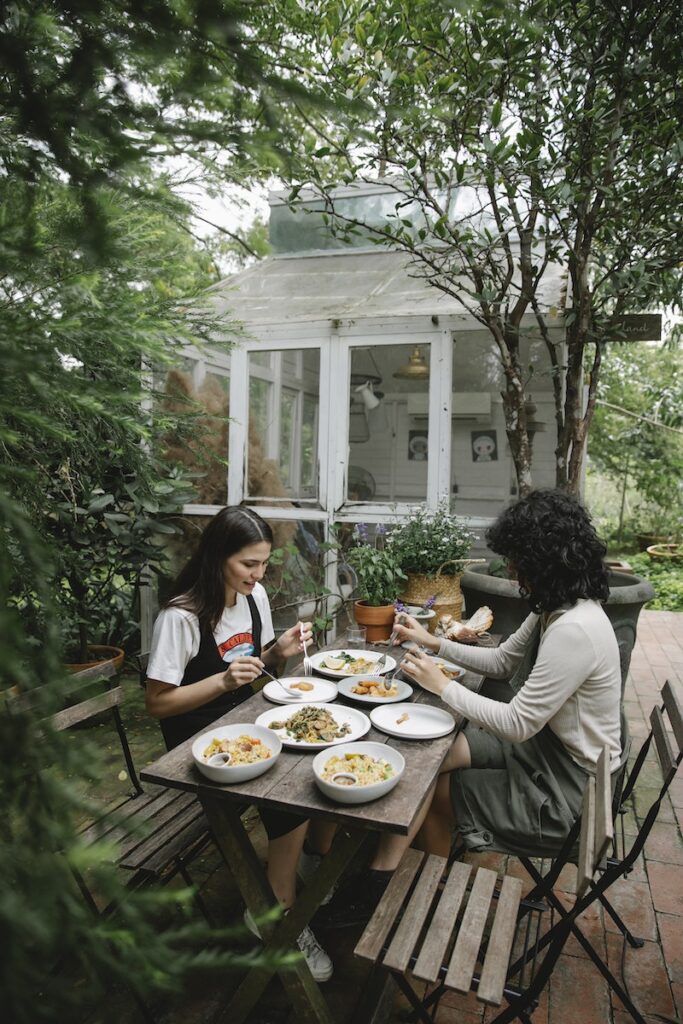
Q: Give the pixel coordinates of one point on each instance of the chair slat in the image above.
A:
(587, 862)
(664, 751)
(673, 707)
(436, 941)
(166, 833)
(379, 926)
(87, 709)
(68, 687)
(152, 827)
(604, 826)
(497, 960)
(464, 958)
(408, 932)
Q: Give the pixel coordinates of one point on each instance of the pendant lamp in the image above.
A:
(415, 369)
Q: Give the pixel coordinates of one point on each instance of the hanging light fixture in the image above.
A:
(364, 368)
(415, 369)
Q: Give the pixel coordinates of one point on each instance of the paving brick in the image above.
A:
(666, 886)
(664, 844)
(677, 990)
(578, 994)
(644, 798)
(592, 926)
(647, 982)
(676, 792)
(671, 938)
(452, 1015)
(633, 902)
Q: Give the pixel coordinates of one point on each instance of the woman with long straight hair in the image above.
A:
(212, 640)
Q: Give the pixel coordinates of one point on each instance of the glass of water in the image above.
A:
(357, 636)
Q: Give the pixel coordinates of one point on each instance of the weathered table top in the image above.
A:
(289, 785)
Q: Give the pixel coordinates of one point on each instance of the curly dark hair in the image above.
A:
(549, 539)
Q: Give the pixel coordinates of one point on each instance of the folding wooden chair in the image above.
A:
(464, 932)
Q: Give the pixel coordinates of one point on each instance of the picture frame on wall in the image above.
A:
(484, 445)
(418, 445)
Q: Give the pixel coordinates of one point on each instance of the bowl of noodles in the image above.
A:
(355, 773)
(248, 750)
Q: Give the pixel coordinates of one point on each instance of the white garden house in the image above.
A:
(370, 389)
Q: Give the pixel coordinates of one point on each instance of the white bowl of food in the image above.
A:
(235, 753)
(355, 773)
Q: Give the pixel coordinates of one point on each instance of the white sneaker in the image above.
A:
(319, 963)
(308, 865)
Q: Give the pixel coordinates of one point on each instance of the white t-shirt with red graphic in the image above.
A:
(175, 640)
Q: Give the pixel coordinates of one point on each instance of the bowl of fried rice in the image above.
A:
(355, 773)
(251, 750)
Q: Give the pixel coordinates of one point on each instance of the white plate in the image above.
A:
(359, 723)
(345, 685)
(450, 666)
(330, 673)
(423, 723)
(323, 690)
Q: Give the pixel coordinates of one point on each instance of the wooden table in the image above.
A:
(289, 786)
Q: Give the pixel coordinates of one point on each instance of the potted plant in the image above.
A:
(431, 547)
(380, 578)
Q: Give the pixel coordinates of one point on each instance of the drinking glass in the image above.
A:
(356, 636)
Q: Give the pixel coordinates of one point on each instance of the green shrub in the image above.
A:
(665, 577)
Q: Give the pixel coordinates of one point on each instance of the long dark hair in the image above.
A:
(548, 537)
(200, 587)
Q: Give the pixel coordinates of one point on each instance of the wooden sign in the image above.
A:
(637, 327)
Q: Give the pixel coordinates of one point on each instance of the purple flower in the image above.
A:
(380, 529)
(399, 606)
(361, 532)
(429, 603)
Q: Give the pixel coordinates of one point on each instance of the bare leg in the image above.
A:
(320, 836)
(283, 857)
(437, 824)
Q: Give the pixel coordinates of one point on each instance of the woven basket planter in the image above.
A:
(446, 589)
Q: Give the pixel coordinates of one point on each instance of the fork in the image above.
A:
(308, 664)
(379, 664)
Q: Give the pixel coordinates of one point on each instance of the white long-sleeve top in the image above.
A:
(574, 686)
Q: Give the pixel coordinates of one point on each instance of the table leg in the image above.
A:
(307, 1000)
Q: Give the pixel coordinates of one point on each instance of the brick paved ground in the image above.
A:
(650, 901)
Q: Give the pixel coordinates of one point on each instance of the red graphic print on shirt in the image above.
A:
(240, 645)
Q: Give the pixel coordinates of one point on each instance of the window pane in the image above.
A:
(196, 397)
(388, 423)
(482, 473)
(283, 425)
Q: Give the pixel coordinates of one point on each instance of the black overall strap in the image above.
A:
(205, 663)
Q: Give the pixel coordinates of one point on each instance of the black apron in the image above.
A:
(207, 662)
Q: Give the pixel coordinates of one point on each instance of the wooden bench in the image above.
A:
(156, 832)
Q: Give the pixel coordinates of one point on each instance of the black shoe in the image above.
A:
(354, 904)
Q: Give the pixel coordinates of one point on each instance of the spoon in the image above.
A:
(288, 690)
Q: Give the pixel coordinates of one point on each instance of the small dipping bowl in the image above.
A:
(219, 760)
(344, 779)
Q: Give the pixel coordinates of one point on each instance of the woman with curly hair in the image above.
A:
(514, 777)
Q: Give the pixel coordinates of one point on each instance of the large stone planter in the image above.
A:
(628, 593)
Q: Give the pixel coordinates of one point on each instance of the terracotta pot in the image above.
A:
(666, 552)
(101, 653)
(377, 621)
